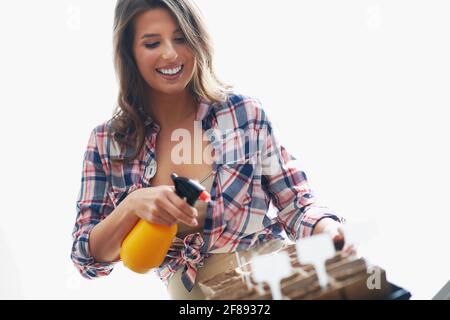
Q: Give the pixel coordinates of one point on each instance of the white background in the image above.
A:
(358, 91)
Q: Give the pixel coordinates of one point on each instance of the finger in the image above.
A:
(182, 205)
(180, 215)
(349, 249)
(162, 215)
(162, 221)
(157, 216)
(166, 216)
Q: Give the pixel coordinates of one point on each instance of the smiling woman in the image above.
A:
(149, 46)
(163, 60)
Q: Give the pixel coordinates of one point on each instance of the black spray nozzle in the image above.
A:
(189, 189)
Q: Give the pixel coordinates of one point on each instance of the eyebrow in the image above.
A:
(151, 35)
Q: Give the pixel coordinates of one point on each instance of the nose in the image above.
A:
(169, 52)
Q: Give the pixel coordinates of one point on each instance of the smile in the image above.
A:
(171, 72)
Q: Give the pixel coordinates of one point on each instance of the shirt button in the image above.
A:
(150, 171)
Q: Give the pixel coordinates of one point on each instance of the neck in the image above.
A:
(169, 110)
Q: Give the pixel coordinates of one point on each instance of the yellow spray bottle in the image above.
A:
(147, 244)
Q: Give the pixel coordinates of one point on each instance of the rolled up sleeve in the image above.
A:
(287, 186)
(92, 206)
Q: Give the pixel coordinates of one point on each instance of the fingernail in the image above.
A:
(194, 222)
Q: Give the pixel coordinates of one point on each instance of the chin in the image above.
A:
(172, 91)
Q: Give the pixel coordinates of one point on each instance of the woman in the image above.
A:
(163, 60)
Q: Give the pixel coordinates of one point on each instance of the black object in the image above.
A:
(338, 242)
(189, 189)
(398, 293)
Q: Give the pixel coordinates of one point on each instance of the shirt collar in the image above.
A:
(204, 109)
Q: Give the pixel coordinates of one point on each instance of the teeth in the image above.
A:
(170, 71)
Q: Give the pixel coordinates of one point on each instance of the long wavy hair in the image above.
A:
(128, 127)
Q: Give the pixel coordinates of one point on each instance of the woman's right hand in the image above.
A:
(161, 205)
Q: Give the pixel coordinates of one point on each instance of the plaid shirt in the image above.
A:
(251, 171)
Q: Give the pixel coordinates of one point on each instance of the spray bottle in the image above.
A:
(147, 244)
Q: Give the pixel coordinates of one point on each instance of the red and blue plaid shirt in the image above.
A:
(251, 171)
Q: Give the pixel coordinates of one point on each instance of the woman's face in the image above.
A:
(162, 55)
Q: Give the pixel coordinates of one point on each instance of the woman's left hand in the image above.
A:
(336, 232)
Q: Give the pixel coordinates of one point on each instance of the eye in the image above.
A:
(180, 40)
(151, 45)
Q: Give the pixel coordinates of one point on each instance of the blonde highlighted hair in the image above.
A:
(128, 121)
